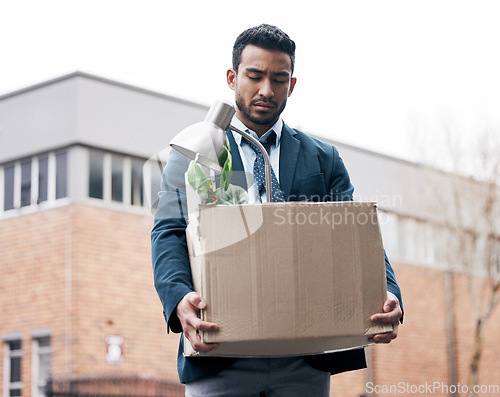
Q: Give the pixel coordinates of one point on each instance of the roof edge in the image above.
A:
(102, 80)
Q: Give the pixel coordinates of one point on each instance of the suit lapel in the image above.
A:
(289, 150)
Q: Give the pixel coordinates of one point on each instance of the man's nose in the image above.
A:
(266, 89)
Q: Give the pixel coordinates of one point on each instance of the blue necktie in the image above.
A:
(258, 168)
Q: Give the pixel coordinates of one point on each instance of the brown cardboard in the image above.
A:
(285, 279)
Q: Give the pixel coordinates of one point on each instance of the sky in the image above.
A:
(373, 74)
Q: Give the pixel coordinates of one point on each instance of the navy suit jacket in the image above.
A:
(310, 170)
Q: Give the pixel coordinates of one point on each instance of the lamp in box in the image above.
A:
(204, 141)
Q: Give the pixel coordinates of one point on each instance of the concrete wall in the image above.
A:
(80, 108)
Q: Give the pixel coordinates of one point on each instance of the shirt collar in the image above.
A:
(277, 127)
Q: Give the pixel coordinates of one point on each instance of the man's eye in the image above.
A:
(280, 81)
(254, 78)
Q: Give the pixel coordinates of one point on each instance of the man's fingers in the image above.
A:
(391, 317)
(385, 338)
(391, 302)
(197, 344)
(204, 347)
(390, 305)
(392, 312)
(195, 300)
(200, 325)
(187, 312)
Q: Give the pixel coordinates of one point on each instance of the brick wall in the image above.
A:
(84, 271)
(32, 279)
(418, 357)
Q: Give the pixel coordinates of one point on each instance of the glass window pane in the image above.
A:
(15, 345)
(389, 229)
(15, 369)
(61, 175)
(44, 366)
(43, 177)
(96, 164)
(25, 183)
(155, 187)
(137, 190)
(117, 178)
(44, 342)
(9, 187)
(15, 393)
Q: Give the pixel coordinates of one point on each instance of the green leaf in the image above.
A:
(228, 194)
(226, 152)
(232, 196)
(226, 162)
(198, 179)
(227, 172)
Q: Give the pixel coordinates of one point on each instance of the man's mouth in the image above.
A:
(263, 106)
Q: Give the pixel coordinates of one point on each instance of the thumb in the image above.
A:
(196, 301)
(389, 305)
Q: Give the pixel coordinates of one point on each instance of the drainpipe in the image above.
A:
(450, 331)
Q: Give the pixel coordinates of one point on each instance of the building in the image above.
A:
(77, 169)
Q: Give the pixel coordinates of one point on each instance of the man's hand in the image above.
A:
(392, 313)
(187, 312)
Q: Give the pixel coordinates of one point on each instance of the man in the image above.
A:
(262, 78)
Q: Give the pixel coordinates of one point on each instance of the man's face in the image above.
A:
(262, 85)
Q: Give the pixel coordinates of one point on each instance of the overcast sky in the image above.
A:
(370, 73)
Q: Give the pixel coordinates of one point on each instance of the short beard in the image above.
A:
(271, 119)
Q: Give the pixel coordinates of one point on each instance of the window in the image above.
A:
(43, 178)
(96, 168)
(28, 182)
(25, 183)
(61, 175)
(137, 185)
(117, 178)
(156, 174)
(9, 187)
(42, 360)
(13, 368)
(389, 229)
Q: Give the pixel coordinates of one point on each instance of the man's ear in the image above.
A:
(231, 78)
(292, 85)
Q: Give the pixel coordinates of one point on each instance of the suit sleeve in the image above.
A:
(172, 272)
(341, 189)
(392, 284)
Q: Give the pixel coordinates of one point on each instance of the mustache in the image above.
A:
(263, 100)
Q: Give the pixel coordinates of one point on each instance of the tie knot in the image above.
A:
(267, 142)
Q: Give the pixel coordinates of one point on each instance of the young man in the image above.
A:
(305, 168)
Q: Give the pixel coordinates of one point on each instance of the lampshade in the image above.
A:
(204, 141)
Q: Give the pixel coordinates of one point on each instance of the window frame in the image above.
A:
(52, 184)
(37, 351)
(133, 191)
(10, 353)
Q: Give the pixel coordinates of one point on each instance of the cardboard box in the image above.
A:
(286, 279)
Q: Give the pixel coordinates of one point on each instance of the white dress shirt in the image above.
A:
(248, 156)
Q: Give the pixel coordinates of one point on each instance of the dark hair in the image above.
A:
(263, 36)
